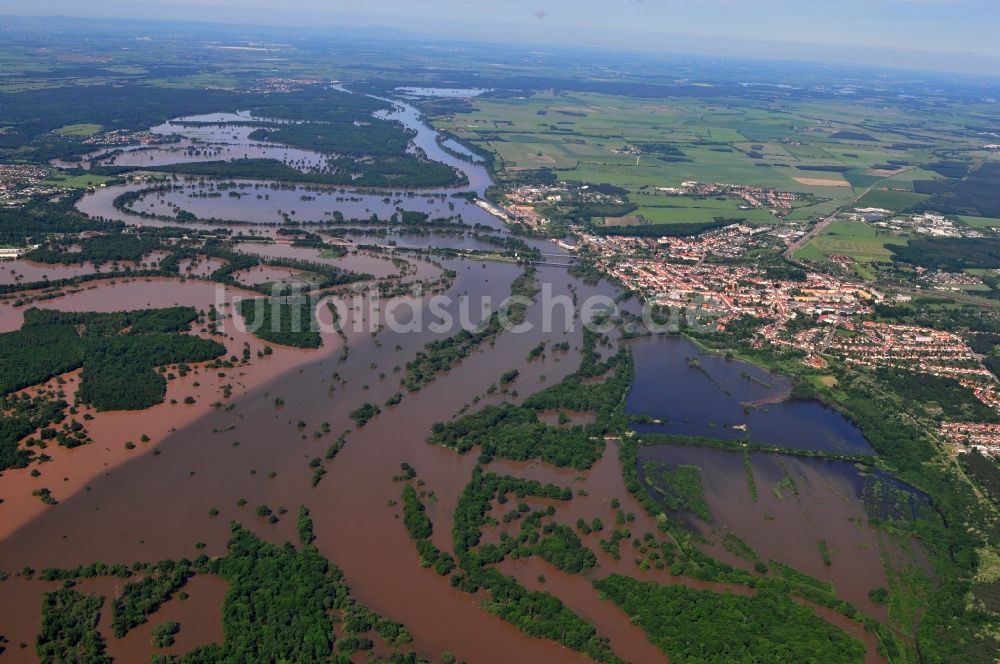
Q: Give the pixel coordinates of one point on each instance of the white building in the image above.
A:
(10, 253)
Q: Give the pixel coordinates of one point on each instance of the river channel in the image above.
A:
(155, 502)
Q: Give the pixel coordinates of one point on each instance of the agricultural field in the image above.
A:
(897, 201)
(680, 210)
(849, 238)
(980, 222)
(674, 208)
(836, 153)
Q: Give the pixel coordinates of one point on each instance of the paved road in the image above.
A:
(813, 232)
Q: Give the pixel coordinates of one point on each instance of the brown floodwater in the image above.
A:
(122, 506)
(22, 271)
(153, 502)
(266, 274)
(577, 593)
(786, 524)
(202, 266)
(124, 294)
(25, 271)
(215, 141)
(358, 261)
(199, 617)
(257, 202)
(198, 468)
(72, 470)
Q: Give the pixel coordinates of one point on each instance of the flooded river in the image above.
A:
(154, 502)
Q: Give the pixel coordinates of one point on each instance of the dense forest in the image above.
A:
(140, 599)
(98, 250)
(691, 625)
(289, 321)
(69, 628)
(281, 606)
(948, 253)
(975, 194)
(33, 114)
(515, 432)
(20, 416)
(535, 613)
(680, 487)
(379, 138)
(33, 222)
(418, 524)
(117, 351)
(985, 470)
(954, 400)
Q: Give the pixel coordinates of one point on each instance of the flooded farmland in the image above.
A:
(795, 504)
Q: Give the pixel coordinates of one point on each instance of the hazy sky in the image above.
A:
(945, 34)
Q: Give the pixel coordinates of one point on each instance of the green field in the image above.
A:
(849, 238)
(683, 214)
(593, 138)
(82, 130)
(897, 201)
(980, 222)
(59, 179)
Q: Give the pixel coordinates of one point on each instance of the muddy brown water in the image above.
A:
(266, 274)
(211, 458)
(202, 266)
(198, 468)
(25, 271)
(260, 203)
(198, 616)
(787, 525)
(141, 506)
(355, 261)
(153, 502)
(22, 271)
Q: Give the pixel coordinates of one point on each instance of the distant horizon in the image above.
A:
(964, 44)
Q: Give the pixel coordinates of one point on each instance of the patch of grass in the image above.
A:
(897, 201)
(83, 130)
(849, 238)
(76, 181)
(980, 222)
(683, 215)
(824, 552)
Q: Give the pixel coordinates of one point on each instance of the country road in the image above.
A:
(813, 232)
